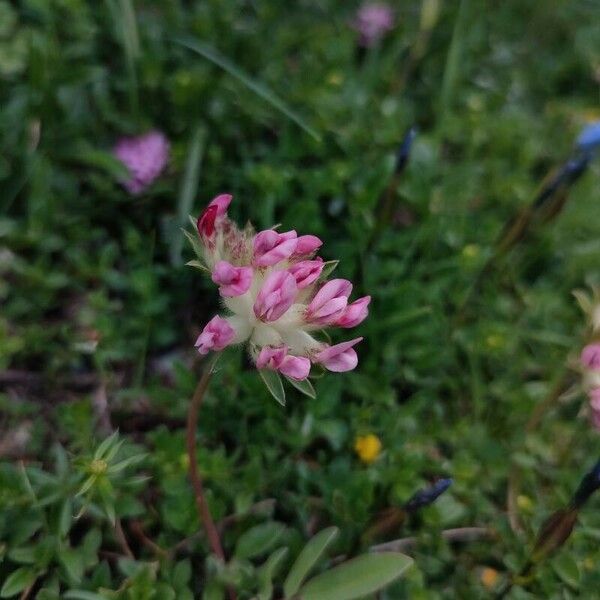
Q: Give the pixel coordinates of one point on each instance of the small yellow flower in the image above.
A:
(367, 447)
(489, 577)
(471, 251)
(524, 503)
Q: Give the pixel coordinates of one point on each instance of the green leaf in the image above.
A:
(195, 242)
(567, 569)
(256, 86)
(189, 188)
(72, 560)
(307, 559)
(66, 518)
(99, 159)
(197, 264)
(258, 540)
(328, 268)
(87, 484)
(268, 571)
(18, 581)
(357, 577)
(25, 555)
(105, 445)
(82, 595)
(132, 460)
(182, 573)
(273, 382)
(304, 386)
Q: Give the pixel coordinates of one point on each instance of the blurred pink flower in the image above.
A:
(145, 157)
(270, 284)
(590, 356)
(373, 20)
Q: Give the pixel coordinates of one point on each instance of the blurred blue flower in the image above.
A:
(589, 138)
(427, 496)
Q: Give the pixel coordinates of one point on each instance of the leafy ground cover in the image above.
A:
(461, 376)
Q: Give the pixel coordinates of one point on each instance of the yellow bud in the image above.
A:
(367, 447)
(494, 341)
(524, 503)
(489, 577)
(470, 251)
(98, 467)
(184, 461)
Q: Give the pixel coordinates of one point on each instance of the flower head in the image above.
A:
(372, 21)
(367, 447)
(270, 285)
(145, 157)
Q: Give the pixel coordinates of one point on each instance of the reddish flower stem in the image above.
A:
(203, 511)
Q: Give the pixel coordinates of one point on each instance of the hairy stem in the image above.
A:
(192, 420)
(212, 532)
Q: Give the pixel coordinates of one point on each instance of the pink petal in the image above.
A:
(271, 247)
(307, 272)
(590, 356)
(339, 358)
(276, 295)
(355, 313)
(307, 244)
(222, 202)
(594, 396)
(270, 357)
(295, 367)
(233, 281)
(216, 335)
(330, 302)
(206, 221)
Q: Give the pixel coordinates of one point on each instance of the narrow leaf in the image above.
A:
(307, 559)
(268, 571)
(105, 445)
(274, 385)
(258, 540)
(257, 87)
(189, 188)
(357, 577)
(83, 595)
(18, 581)
(304, 386)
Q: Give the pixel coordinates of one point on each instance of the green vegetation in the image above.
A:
(460, 375)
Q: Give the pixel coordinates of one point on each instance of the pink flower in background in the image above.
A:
(145, 157)
(373, 20)
(271, 286)
(590, 356)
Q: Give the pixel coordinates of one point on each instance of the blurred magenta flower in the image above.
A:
(373, 20)
(270, 284)
(590, 356)
(145, 157)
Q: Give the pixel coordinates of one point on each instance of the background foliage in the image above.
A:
(99, 313)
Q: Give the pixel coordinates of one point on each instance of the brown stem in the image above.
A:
(203, 511)
(120, 535)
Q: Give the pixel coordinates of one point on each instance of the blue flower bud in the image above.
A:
(427, 496)
(589, 138)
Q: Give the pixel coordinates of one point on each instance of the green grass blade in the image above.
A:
(189, 188)
(257, 87)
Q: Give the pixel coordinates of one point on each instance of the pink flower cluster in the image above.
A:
(590, 360)
(270, 283)
(373, 20)
(145, 157)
